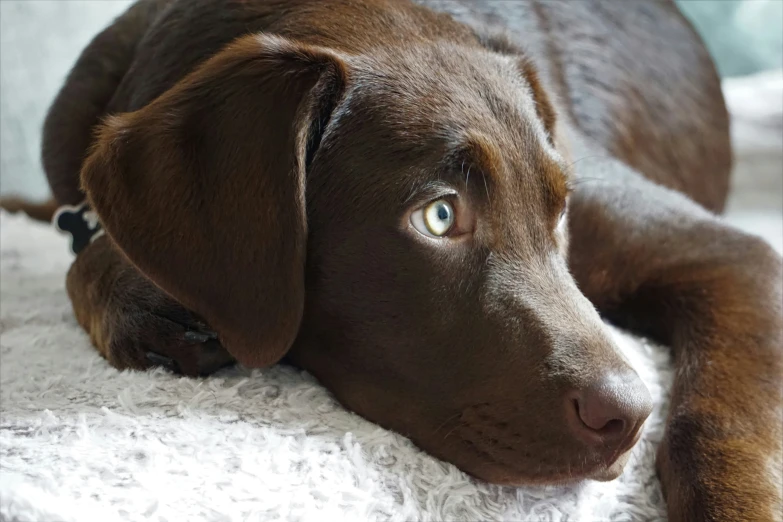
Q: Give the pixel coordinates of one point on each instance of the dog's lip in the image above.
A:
(613, 465)
(604, 465)
(610, 471)
(624, 448)
(635, 440)
(562, 477)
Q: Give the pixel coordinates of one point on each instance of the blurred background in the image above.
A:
(41, 39)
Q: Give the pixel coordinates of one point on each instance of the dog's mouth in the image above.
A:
(515, 467)
(493, 451)
(613, 469)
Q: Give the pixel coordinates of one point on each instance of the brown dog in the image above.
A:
(377, 191)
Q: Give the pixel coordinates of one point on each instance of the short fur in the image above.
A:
(254, 163)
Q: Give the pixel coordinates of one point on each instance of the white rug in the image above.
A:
(82, 442)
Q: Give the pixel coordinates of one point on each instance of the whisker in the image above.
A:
(451, 431)
(570, 166)
(449, 419)
(486, 189)
(572, 183)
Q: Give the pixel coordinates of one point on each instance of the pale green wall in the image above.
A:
(744, 36)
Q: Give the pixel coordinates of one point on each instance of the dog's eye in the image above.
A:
(435, 219)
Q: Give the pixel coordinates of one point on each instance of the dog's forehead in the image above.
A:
(413, 116)
(436, 96)
(446, 84)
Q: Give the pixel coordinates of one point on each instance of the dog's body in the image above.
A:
(621, 97)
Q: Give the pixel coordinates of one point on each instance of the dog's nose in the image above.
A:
(610, 412)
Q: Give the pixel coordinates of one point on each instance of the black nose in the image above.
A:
(610, 411)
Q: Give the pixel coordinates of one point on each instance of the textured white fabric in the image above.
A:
(82, 442)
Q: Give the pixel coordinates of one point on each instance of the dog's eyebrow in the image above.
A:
(481, 153)
(429, 190)
(474, 154)
(477, 154)
(557, 180)
(471, 156)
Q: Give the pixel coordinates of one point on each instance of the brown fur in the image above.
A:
(257, 166)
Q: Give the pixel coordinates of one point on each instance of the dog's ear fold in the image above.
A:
(544, 109)
(500, 43)
(204, 188)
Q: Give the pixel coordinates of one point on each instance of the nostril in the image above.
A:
(598, 423)
(613, 427)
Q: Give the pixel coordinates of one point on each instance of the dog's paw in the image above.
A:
(133, 323)
(142, 327)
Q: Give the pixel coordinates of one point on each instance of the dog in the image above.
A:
(431, 206)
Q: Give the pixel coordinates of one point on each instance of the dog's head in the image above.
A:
(396, 224)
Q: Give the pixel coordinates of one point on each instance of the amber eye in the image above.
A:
(435, 219)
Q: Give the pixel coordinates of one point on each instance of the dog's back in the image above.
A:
(634, 76)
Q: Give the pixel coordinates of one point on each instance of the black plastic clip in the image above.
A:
(80, 222)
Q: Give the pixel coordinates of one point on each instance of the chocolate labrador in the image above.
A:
(430, 206)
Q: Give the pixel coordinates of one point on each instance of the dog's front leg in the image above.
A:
(132, 322)
(653, 261)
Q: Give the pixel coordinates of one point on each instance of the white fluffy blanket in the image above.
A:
(82, 442)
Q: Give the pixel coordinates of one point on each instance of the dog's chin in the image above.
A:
(612, 471)
(505, 476)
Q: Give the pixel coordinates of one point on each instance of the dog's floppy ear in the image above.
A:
(204, 188)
